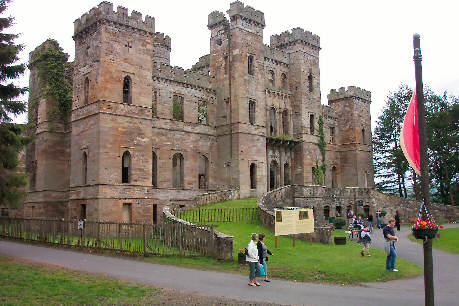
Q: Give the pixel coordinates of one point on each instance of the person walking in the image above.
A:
(378, 218)
(370, 223)
(389, 245)
(366, 241)
(252, 259)
(397, 220)
(263, 254)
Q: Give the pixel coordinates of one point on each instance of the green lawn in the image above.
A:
(449, 240)
(25, 284)
(247, 202)
(316, 263)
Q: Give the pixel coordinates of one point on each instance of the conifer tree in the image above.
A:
(11, 141)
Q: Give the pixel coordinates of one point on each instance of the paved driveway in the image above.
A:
(209, 283)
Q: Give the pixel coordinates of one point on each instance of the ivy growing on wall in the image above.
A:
(51, 63)
(319, 171)
(177, 109)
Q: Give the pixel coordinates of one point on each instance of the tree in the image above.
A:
(389, 161)
(11, 141)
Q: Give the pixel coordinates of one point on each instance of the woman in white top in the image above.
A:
(252, 259)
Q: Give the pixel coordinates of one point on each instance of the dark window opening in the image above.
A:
(285, 122)
(250, 65)
(127, 90)
(155, 213)
(332, 134)
(154, 104)
(287, 180)
(334, 177)
(326, 212)
(5, 212)
(253, 176)
(311, 124)
(177, 170)
(273, 175)
(304, 214)
(85, 168)
(203, 175)
(154, 170)
(272, 78)
(284, 81)
(252, 112)
(364, 141)
(83, 211)
(338, 211)
(126, 166)
(310, 82)
(278, 216)
(272, 122)
(177, 107)
(86, 91)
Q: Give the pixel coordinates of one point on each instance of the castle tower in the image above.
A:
(111, 149)
(162, 49)
(47, 157)
(236, 63)
(352, 108)
(303, 48)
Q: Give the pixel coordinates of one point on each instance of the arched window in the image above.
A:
(311, 124)
(85, 168)
(273, 122)
(203, 172)
(287, 180)
(127, 90)
(310, 81)
(334, 177)
(126, 168)
(253, 176)
(326, 212)
(284, 81)
(250, 65)
(272, 78)
(339, 211)
(86, 91)
(285, 122)
(273, 175)
(177, 170)
(154, 170)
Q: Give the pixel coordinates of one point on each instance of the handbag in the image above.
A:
(262, 270)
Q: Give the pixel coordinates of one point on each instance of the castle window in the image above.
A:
(83, 212)
(154, 170)
(334, 177)
(271, 78)
(127, 90)
(154, 104)
(287, 180)
(313, 175)
(310, 82)
(338, 211)
(5, 212)
(326, 212)
(155, 213)
(85, 168)
(126, 168)
(127, 212)
(203, 172)
(273, 175)
(332, 134)
(273, 122)
(86, 91)
(311, 124)
(285, 122)
(364, 141)
(250, 65)
(177, 108)
(251, 112)
(284, 81)
(253, 176)
(202, 112)
(33, 176)
(177, 170)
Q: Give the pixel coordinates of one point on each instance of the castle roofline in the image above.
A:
(237, 8)
(296, 35)
(350, 92)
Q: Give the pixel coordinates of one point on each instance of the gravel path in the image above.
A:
(218, 284)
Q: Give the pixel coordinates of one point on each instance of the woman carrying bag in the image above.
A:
(263, 256)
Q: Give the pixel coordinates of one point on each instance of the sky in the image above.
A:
(368, 44)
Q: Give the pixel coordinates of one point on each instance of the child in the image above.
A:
(366, 241)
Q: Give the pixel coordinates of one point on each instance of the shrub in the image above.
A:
(383, 213)
(339, 222)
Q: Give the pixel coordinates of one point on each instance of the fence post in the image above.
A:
(143, 239)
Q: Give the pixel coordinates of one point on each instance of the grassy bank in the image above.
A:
(449, 240)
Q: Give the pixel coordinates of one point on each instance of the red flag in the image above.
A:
(409, 136)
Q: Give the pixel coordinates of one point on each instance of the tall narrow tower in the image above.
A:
(111, 149)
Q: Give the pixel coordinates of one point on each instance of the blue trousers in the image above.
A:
(390, 260)
(254, 269)
(379, 223)
(370, 225)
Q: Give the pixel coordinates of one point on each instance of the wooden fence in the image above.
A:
(140, 239)
(210, 215)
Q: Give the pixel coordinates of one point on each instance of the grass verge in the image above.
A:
(449, 240)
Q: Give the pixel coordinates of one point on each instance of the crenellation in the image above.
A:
(237, 8)
(215, 18)
(104, 11)
(276, 54)
(178, 74)
(296, 34)
(161, 39)
(350, 92)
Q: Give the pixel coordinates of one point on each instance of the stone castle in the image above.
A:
(143, 134)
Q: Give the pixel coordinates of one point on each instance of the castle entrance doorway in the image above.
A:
(273, 173)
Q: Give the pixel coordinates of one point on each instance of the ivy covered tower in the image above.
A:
(111, 147)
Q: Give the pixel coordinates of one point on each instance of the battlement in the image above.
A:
(204, 61)
(178, 74)
(276, 54)
(297, 34)
(104, 11)
(49, 44)
(160, 39)
(350, 92)
(215, 18)
(237, 8)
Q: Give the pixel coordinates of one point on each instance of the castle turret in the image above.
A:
(352, 108)
(162, 49)
(111, 119)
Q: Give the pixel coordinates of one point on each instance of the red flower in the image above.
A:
(441, 226)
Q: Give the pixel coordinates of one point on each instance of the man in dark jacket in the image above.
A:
(389, 245)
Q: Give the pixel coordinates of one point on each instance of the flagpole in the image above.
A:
(427, 245)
